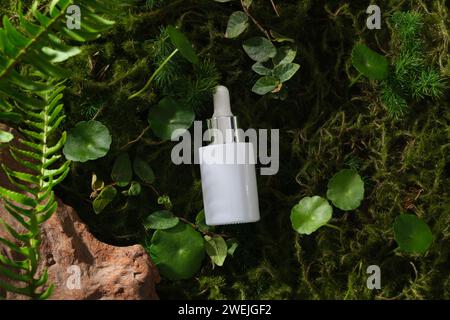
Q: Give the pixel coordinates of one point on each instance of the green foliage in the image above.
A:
(122, 173)
(88, 140)
(5, 136)
(168, 116)
(39, 158)
(217, 249)
(310, 214)
(411, 77)
(237, 23)
(262, 49)
(200, 222)
(265, 85)
(134, 190)
(161, 220)
(412, 234)
(369, 63)
(105, 197)
(259, 49)
(31, 45)
(182, 44)
(172, 249)
(346, 189)
(143, 170)
(177, 252)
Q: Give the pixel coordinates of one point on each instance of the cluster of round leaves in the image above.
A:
(274, 65)
(122, 174)
(279, 71)
(346, 191)
(178, 248)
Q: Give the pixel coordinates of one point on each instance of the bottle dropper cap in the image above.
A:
(221, 99)
(223, 124)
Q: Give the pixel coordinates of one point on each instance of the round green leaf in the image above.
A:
(237, 23)
(182, 44)
(217, 249)
(5, 136)
(143, 170)
(346, 189)
(168, 116)
(104, 198)
(285, 71)
(177, 252)
(259, 49)
(265, 85)
(369, 63)
(310, 214)
(122, 172)
(161, 220)
(412, 234)
(88, 140)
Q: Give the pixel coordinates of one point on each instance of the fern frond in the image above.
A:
(31, 47)
(41, 44)
(39, 204)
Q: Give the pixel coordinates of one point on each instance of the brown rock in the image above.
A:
(68, 249)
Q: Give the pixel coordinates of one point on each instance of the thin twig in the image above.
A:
(274, 8)
(137, 139)
(258, 25)
(98, 112)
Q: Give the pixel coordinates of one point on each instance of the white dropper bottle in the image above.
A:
(227, 167)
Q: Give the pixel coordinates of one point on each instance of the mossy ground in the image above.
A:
(325, 125)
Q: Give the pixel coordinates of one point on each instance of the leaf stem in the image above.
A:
(355, 80)
(258, 25)
(149, 82)
(274, 6)
(137, 139)
(332, 226)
